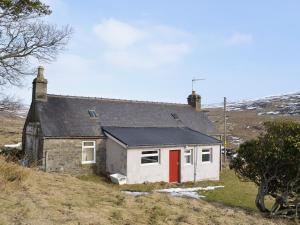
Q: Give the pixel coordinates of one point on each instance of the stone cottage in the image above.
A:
(145, 141)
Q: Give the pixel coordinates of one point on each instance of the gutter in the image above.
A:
(170, 145)
(75, 137)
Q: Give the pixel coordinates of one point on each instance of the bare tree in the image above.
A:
(8, 103)
(24, 37)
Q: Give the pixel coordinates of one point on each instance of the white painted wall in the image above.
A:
(140, 173)
(211, 170)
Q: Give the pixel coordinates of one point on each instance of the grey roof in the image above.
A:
(159, 136)
(65, 116)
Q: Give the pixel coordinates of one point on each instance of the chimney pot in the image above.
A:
(40, 74)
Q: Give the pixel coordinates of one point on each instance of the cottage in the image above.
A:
(145, 141)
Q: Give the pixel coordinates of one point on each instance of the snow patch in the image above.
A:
(135, 193)
(13, 145)
(188, 192)
(287, 104)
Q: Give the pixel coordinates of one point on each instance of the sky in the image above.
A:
(151, 50)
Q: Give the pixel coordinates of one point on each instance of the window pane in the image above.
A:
(205, 150)
(206, 158)
(149, 159)
(188, 159)
(88, 154)
(89, 143)
(188, 151)
(149, 152)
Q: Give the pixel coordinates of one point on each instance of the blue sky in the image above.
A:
(151, 50)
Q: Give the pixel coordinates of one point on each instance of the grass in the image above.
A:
(11, 173)
(43, 198)
(235, 193)
(10, 129)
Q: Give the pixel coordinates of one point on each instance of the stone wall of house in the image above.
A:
(65, 155)
(33, 143)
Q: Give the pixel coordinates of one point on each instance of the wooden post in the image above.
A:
(225, 130)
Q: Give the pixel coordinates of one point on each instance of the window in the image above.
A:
(150, 157)
(92, 113)
(175, 116)
(88, 152)
(206, 155)
(188, 156)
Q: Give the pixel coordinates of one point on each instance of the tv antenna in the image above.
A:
(195, 80)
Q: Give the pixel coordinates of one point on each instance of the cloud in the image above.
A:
(141, 46)
(117, 34)
(239, 39)
(150, 57)
(169, 52)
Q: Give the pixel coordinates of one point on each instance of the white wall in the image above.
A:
(139, 173)
(128, 162)
(211, 170)
(116, 157)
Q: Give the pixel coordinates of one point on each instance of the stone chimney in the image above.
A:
(39, 86)
(194, 100)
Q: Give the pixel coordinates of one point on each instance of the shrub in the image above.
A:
(272, 162)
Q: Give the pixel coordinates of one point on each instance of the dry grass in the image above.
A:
(10, 128)
(44, 198)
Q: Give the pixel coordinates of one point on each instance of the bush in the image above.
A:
(272, 162)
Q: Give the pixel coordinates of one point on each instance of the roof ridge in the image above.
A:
(115, 99)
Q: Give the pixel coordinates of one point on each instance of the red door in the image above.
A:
(174, 166)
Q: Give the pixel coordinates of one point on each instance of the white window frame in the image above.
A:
(191, 154)
(207, 153)
(88, 147)
(152, 154)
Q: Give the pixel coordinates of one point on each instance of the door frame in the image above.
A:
(179, 164)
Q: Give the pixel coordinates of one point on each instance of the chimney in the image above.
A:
(39, 86)
(194, 100)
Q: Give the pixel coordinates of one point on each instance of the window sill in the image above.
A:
(206, 162)
(150, 164)
(88, 162)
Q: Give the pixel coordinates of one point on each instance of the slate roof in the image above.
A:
(159, 136)
(66, 116)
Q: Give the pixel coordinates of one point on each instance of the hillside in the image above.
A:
(245, 119)
(11, 125)
(28, 196)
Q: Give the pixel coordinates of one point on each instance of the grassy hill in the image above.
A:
(28, 196)
(11, 125)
